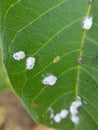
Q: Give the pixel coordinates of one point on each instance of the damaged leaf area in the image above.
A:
(50, 52)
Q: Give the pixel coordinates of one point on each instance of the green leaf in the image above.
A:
(51, 31)
(4, 83)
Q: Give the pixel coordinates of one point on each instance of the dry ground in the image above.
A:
(13, 116)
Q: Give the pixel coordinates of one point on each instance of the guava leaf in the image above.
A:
(4, 83)
(51, 31)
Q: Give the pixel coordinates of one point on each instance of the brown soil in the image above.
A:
(13, 116)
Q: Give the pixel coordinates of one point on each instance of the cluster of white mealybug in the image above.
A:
(59, 116)
(87, 23)
(62, 115)
(30, 61)
(49, 80)
(74, 110)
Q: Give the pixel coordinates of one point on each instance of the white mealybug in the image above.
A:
(57, 118)
(30, 62)
(74, 110)
(87, 23)
(19, 55)
(64, 113)
(75, 119)
(51, 112)
(77, 103)
(49, 80)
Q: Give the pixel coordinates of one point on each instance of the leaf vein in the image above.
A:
(56, 100)
(90, 116)
(58, 79)
(9, 8)
(89, 74)
(40, 16)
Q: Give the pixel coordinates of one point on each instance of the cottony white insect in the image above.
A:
(51, 112)
(19, 55)
(75, 119)
(77, 103)
(87, 23)
(49, 80)
(30, 62)
(57, 118)
(73, 110)
(64, 113)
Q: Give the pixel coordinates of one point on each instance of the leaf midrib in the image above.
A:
(80, 54)
(81, 51)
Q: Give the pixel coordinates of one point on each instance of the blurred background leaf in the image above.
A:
(4, 82)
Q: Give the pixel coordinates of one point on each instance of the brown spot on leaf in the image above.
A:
(80, 61)
(35, 105)
(82, 47)
(90, 1)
